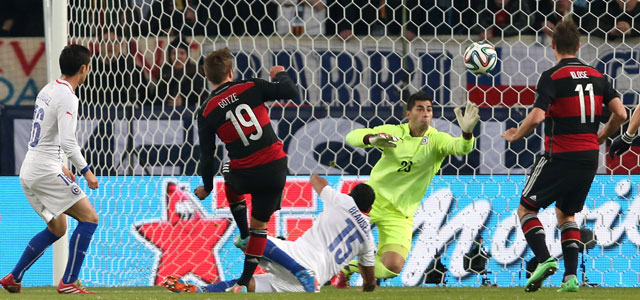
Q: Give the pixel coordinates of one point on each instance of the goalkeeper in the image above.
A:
(411, 155)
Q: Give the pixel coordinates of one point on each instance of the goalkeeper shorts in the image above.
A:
(394, 230)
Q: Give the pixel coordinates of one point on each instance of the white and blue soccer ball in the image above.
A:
(480, 58)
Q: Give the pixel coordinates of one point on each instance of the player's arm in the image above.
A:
(618, 116)
(634, 123)
(545, 93)
(283, 86)
(207, 151)
(448, 145)
(67, 114)
(623, 142)
(318, 183)
(379, 136)
(530, 123)
(461, 145)
(326, 192)
(366, 264)
(368, 278)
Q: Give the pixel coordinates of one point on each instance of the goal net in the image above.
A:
(353, 63)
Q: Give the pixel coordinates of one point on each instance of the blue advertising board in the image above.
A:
(151, 227)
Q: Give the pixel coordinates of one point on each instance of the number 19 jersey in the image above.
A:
(236, 113)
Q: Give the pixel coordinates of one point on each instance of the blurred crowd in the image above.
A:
(113, 23)
(346, 18)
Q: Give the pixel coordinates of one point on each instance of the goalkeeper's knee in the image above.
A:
(381, 270)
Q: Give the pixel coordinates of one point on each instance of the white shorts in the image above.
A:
(269, 283)
(52, 194)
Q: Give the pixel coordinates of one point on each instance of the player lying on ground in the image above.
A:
(236, 113)
(569, 98)
(411, 155)
(340, 233)
(49, 186)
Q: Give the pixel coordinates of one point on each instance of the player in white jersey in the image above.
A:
(340, 233)
(50, 187)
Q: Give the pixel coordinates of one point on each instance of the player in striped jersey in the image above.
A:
(339, 233)
(49, 186)
(570, 99)
(236, 113)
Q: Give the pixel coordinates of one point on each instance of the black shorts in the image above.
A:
(562, 181)
(264, 183)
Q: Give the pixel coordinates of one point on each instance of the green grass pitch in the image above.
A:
(330, 293)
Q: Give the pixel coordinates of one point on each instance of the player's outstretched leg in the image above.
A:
(253, 254)
(344, 276)
(78, 244)
(176, 285)
(238, 206)
(9, 283)
(218, 287)
(75, 287)
(308, 281)
(12, 282)
(544, 270)
(535, 236)
(306, 277)
(237, 289)
(570, 248)
(569, 285)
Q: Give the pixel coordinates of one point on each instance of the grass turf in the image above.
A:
(49, 293)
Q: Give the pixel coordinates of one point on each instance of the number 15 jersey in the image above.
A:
(236, 113)
(339, 233)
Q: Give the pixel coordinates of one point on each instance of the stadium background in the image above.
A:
(138, 142)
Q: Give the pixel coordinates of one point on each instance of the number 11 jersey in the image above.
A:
(573, 94)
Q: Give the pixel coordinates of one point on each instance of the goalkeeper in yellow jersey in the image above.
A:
(411, 155)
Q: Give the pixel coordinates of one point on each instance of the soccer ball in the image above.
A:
(480, 58)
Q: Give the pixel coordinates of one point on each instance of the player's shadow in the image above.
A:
(475, 261)
(436, 272)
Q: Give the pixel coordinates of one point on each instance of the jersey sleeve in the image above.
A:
(206, 135)
(609, 93)
(366, 257)
(448, 145)
(329, 196)
(355, 138)
(67, 114)
(545, 92)
(282, 88)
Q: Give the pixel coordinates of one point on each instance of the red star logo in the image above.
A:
(185, 238)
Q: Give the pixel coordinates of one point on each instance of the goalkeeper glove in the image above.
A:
(467, 121)
(621, 144)
(381, 140)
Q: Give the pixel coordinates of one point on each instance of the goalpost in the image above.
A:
(138, 130)
(55, 16)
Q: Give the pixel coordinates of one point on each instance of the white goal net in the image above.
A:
(353, 62)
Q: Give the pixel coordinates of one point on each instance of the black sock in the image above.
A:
(253, 254)
(239, 212)
(534, 233)
(570, 247)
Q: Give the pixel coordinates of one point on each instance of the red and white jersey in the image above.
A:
(340, 233)
(53, 131)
